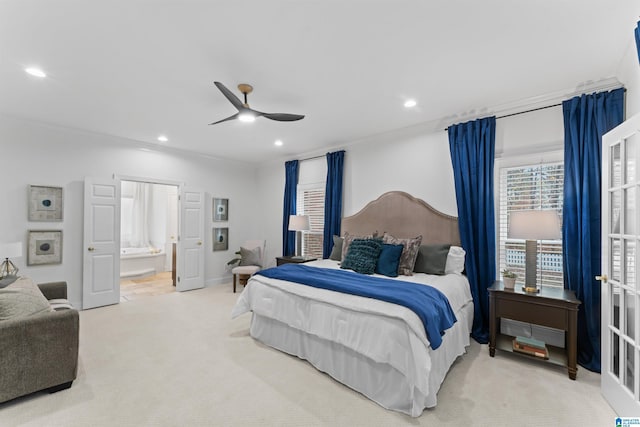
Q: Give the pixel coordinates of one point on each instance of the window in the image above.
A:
(531, 187)
(310, 201)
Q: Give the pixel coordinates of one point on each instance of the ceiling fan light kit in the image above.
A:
(246, 113)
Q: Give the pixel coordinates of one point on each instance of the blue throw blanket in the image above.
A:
(431, 306)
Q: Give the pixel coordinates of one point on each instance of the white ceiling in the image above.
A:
(140, 68)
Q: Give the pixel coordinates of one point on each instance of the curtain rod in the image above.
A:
(314, 157)
(536, 109)
(522, 112)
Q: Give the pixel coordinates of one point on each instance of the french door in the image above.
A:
(620, 285)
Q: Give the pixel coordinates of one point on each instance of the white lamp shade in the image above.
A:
(298, 222)
(11, 250)
(534, 225)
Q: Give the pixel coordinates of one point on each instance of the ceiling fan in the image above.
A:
(247, 114)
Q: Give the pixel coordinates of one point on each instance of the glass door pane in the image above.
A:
(621, 237)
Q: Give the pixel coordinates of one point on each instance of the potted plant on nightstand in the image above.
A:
(509, 279)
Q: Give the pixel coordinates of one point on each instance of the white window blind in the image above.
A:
(527, 188)
(310, 201)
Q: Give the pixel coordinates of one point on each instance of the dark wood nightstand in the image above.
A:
(554, 308)
(292, 260)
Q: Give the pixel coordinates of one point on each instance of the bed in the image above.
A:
(377, 348)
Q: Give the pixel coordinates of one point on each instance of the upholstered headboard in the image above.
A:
(403, 216)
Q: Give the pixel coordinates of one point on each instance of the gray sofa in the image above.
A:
(39, 351)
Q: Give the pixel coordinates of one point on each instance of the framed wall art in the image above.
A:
(220, 239)
(45, 203)
(45, 247)
(220, 209)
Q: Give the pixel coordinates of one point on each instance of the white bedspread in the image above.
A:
(382, 331)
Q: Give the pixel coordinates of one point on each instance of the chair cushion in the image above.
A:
(245, 269)
(22, 298)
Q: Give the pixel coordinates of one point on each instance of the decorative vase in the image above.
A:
(509, 282)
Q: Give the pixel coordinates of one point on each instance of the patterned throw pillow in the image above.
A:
(362, 256)
(409, 253)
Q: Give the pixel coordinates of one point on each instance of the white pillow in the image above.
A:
(455, 260)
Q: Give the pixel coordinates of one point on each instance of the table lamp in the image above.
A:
(533, 225)
(9, 250)
(298, 223)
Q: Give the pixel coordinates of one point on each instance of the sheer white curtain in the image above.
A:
(142, 199)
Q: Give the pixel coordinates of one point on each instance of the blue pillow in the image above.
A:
(362, 255)
(389, 260)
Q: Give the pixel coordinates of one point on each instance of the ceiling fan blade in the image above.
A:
(283, 117)
(229, 95)
(235, 116)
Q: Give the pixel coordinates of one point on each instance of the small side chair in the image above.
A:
(251, 261)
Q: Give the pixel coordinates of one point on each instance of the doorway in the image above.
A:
(148, 237)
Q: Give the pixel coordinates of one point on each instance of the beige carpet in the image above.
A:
(179, 360)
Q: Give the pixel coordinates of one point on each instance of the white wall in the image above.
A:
(404, 160)
(629, 74)
(38, 154)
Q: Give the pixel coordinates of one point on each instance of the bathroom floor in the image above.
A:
(149, 286)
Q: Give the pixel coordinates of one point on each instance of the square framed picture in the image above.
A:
(45, 203)
(45, 247)
(220, 239)
(220, 209)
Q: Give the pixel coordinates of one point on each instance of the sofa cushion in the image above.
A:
(7, 280)
(22, 298)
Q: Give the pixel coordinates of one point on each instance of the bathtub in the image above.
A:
(141, 262)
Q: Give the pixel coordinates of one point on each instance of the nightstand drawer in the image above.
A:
(553, 317)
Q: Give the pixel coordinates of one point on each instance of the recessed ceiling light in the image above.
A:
(278, 143)
(246, 117)
(163, 138)
(35, 72)
(410, 103)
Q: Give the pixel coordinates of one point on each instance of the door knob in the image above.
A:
(602, 278)
(199, 243)
(91, 249)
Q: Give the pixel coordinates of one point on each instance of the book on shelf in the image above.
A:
(531, 342)
(541, 353)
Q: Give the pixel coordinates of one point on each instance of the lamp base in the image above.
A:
(7, 268)
(531, 289)
(298, 245)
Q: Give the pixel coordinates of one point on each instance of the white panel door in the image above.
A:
(620, 286)
(101, 263)
(190, 262)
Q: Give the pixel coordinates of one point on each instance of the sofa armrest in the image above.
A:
(39, 352)
(54, 290)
